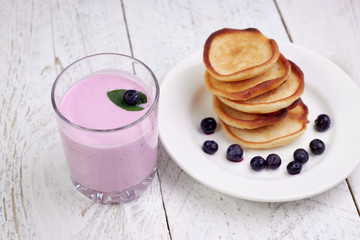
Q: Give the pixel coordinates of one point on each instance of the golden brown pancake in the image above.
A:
(244, 120)
(275, 99)
(275, 135)
(249, 88)
(234, 55)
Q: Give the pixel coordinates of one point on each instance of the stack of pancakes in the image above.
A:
(256, 90)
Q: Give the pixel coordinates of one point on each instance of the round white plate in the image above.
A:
(185, 102)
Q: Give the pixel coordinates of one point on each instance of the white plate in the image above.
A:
(185, 102)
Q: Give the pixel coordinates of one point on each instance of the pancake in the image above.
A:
(234, 55)
(249, 88)
(275, 135)
(275, 99)
(244, 120)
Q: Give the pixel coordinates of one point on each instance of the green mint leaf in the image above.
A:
(143, 98)
(116, 96)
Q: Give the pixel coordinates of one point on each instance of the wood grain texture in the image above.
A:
(22, 109)
(194, 211)
(330, 28)
(38, 200)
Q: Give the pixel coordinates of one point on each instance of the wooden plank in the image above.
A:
(331, 28)
(26, 65)
(84, 28)
(171, 31)
(38, 200)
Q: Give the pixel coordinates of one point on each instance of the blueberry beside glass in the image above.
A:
(317, 146)
(273, 161)
(208, 125)
(234, 153)
(322, 123)
(294, 167)
(210, 146)
(301, 155)
(257, 163)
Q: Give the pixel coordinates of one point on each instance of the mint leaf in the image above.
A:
(116, 96)
(143, 98)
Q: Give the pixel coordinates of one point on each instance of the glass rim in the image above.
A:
(62, 117)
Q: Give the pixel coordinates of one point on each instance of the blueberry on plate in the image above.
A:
(234, 153)
(257, 163)
(301, 155)
(273, 161)
(210, 146)
(317, 146)
(131, 97)
(208, 125)
(294, 167)
(322, 122)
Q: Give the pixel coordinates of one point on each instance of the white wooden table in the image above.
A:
(40, 37)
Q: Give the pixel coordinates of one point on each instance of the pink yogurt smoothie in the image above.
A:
(110, 161)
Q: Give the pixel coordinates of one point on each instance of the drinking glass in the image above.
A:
(109, 165)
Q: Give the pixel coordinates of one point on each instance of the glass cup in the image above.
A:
(115, 164)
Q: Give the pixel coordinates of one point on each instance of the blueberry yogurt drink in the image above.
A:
(108, 125)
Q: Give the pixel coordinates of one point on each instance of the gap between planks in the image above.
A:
(163, 203)
(353, 197)
(127, 27)
(283, 21)
(157, 172)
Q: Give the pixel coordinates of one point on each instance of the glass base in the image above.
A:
(116, 197)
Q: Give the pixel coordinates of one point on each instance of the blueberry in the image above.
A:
(131, 97)
(210, 146)
(273, 161)
(234, 153)
(317, 146)
(208, 125)
(322, 123)
(257, 163)
(294, 167)
(301, 155)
